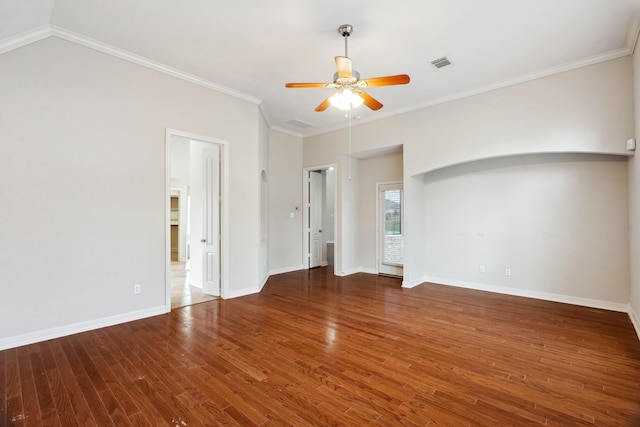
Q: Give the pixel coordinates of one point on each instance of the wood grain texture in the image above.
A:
(314, 349)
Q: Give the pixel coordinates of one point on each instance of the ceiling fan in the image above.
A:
(350, 93)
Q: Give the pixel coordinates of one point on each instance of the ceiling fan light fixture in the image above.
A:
(346, 99)
(350, 88)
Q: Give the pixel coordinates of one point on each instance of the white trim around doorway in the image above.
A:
(305, 213)
(224, 211)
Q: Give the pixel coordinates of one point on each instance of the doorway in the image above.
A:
(175, 226)
(316, 241)
(196, 226)
(318, 216)
(390, 219)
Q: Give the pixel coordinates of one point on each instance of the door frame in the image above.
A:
(224, 210)
(380, 223)
(305, 212)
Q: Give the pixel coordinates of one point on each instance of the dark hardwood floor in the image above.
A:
(313, 349)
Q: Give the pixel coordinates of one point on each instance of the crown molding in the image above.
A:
(286, 131)
(633, 33)
(596, 59)
(40, 33)
(607, 56)
(145, 62)
(26, 38)
(31, 36)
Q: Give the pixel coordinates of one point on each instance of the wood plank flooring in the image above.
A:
(314, 349)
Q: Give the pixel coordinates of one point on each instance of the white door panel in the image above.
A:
(211, 220)
(315, 219)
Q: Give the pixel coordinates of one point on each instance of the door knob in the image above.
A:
(203, 240)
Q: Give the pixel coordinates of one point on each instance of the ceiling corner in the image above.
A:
(24, 39)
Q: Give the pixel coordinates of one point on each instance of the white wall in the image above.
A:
(285, 195)
(346, 249)
(414, 224)
(584, 110)
(587, 110)
(558, 222)
(372, 171)
(329, 206)
(634, 202)
(83, 200)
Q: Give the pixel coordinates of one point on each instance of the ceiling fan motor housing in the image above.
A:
(355, 76)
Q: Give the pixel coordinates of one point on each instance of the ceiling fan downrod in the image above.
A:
(345, 31)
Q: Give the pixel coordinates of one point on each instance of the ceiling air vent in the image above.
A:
(300, 124)
(441, 62)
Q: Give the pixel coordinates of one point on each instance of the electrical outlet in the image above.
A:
(507, 272)
(137, 289)
(482, 269)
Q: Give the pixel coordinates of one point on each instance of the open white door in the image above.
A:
(390, 229)
(211, 220)
(315, 219)
(197, 166)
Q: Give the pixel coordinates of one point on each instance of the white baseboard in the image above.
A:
(635, 320)
(286, 269)
(567, 299)
(337, 273)
(412, 283)
(62, 331)
(347, 272)
(264, 282)
(241, 293)
(356, 270)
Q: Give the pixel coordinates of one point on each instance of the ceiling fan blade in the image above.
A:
(323, 105)
(296, 85)
(344, 67)
(370, 101)
(400, 79)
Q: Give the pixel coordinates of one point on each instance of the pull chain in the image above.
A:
(349, 115)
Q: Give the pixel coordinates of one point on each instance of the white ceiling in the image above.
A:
(254, 47)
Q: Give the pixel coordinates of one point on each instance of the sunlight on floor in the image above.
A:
(182, 293)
